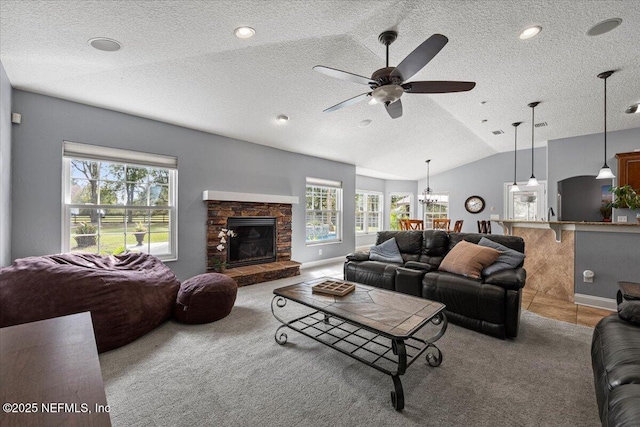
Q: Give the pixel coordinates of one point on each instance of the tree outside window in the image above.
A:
(112, 207)
(400, 209)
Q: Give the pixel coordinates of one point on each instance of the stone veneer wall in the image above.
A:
(219, 211)
(549, 264)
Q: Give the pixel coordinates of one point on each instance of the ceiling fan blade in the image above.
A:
(437, 87)
(395, 109)
(420, 57)
(343, 75)
(348, 102)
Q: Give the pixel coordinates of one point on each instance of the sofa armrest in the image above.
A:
(513, 279)
(421, 266)
(358, 256)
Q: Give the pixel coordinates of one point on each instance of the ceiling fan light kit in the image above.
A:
(388, 84)
(605, 171)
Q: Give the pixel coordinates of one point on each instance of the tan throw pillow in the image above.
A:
(468, 259)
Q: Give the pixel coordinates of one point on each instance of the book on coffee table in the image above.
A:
(333, 287)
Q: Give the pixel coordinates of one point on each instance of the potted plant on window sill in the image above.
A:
(626, 197)
(140, 231)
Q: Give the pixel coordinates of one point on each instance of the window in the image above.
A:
(368, 212)
(400, 209)
(323, 211)
(438, 209)
(118, 201)
(529, 203)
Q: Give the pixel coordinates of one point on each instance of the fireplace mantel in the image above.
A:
(231, 196)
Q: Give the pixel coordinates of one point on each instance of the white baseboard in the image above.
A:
(597, 302)
(320, 262)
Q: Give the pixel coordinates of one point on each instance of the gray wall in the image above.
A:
(5, 168)
(205, 162)
(485, 178)
(613, 257)
(583, 155)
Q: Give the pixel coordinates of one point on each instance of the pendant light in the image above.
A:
(605, 172)
(532, 181)
(426, 194)
(515, 187)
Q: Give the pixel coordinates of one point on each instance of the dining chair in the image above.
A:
(441, 224)
(457, 227)
(484, 227)
(414, 224)
(403, 224)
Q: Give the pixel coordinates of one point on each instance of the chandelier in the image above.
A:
(426, 197)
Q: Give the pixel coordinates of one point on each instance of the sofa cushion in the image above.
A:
(508, 258)
(409, 242)
(512, 242)
(630, 311)
(386, 252)
(468, 259)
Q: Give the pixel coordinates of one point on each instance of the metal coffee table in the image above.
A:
(372, 325)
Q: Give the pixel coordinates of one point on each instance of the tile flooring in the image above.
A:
(539, 303)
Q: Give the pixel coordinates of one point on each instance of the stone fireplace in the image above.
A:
(262, 249)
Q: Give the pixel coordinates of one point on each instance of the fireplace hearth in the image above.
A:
(254, 241)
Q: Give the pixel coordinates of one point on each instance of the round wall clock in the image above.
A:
(474, 204)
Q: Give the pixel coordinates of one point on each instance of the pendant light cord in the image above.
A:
(605, 122)
(515, 155)
(533, 125)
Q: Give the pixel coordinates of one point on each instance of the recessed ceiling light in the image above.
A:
(483, 121)
(244, 32)
(604, 27)
(483, 102)
(364, 123)
(104, 44)
(282, 119)
(633, 109)
(527, 33)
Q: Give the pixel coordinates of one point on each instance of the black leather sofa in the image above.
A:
(490, 305)
(615, 358)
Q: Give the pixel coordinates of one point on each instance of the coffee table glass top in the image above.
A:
(389, 312)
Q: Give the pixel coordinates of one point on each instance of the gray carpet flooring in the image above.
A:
(232, 373)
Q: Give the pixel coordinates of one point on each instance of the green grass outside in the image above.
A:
(112, 239)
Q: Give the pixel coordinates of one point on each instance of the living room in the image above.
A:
(183, 86)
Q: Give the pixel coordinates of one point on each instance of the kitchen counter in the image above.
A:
(557, 226)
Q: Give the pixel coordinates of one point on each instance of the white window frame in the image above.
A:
(540, 189)
(329, 185)
(80, 151)
(366, 212)
(428, 217)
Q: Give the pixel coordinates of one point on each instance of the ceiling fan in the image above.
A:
(389, 83)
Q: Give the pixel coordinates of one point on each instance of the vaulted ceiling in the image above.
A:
(182, 64)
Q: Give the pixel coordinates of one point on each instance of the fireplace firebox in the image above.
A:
(254, 242)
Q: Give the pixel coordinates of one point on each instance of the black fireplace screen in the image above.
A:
(254, 242)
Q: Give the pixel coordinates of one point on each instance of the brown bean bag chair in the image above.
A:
(127, 295)
(205, 298)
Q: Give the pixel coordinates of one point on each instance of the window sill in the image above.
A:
(330, 242)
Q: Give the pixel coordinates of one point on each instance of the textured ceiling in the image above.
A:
(182, 64)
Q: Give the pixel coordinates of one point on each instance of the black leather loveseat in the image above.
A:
(615, 357)
(490, 304)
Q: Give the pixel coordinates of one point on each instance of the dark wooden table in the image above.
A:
(374, 326)
(630, 290)
(50, 374)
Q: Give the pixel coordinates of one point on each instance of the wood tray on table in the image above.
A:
(333, 287)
